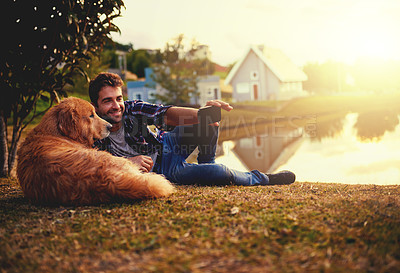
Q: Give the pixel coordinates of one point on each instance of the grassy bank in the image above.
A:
(298, 228)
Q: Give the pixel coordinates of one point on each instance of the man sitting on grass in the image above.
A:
(166, 152)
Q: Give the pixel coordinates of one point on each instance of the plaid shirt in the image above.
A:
(137, 116)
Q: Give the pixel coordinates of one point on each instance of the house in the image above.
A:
(200, 53)
(208, 88)
(143, 90)
(265, 74)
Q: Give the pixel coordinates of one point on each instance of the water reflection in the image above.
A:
(371, 126)
(347, 148)
(261, 152)
(330, 127)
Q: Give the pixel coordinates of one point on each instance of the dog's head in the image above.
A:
(76, 119)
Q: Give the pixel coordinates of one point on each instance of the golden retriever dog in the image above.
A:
(57, 164)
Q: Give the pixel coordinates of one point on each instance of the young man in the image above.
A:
(166, 152)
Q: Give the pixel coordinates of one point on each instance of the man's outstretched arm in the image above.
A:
(176, 116)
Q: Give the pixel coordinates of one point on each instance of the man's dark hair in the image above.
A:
(103, 79)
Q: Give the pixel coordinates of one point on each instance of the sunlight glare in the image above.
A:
(374, 43)
(368, 33)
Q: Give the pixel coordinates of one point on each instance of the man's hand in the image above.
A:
(144, 162)
(221, 104)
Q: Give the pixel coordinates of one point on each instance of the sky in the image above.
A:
(306, 30)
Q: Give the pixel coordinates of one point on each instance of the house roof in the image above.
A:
(148, 82)
(276, 61)
(135, 84)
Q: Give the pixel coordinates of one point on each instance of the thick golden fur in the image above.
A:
(57, 164)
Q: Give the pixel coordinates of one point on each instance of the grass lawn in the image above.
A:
(304, 227)
(298, 228)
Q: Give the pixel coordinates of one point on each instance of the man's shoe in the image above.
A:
(281, 178)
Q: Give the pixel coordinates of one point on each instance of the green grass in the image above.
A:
(298, 228)
(304, 227)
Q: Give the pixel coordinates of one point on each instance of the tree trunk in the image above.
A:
(11, 159)
(13, 148)
(3, 148)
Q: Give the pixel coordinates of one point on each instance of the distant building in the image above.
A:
(143, 90)
(265, 74)
(208, 88)
(200, 53)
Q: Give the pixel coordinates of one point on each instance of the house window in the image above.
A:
(152, 95)
(242, 87)
(284, 87)
(259, 154)
(254, 75)
(246, 143)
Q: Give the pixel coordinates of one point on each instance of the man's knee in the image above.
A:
(205, 174)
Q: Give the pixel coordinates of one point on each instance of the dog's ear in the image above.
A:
(67, 121)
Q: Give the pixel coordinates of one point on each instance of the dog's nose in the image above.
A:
(109, 126)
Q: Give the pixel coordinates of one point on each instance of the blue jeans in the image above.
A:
(181, 142)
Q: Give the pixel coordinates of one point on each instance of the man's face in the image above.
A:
(110, 105)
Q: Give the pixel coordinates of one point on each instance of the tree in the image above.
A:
(141, 60)
(325, 78)
(176, 75)
(377, 75)
(49, 42)
(109, 54)
(80, 85)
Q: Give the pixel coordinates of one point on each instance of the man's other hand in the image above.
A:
(144, 162)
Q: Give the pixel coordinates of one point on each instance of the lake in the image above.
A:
(356, 148)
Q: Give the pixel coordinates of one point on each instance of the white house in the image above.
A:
(265, 74)
(200, 53)
(208, 88)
